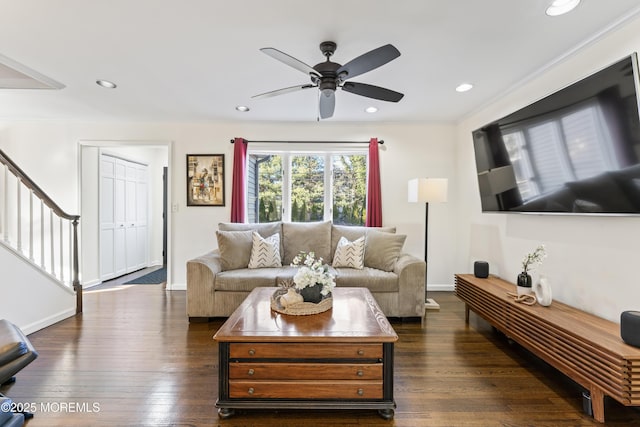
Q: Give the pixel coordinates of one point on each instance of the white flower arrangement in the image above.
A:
(534, 258)
(311, 271)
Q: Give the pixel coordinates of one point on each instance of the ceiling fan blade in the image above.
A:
(371, 91)
(327, 105)
(368, 61)
(282, 91)
(290, 61)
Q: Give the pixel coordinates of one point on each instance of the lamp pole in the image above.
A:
(427, 190)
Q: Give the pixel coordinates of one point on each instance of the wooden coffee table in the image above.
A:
(339, 359)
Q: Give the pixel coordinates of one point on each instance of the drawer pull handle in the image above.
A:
(251, 372)
(360, 373)
(250, 390)
(360, 392)
(361, 352)
(252, 352)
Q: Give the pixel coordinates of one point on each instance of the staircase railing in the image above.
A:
(37, 228)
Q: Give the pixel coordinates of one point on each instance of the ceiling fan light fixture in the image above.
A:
(560, 7)
(328, 86)
(106, 84)
(464, 87)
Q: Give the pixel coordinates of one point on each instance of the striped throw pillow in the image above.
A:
(265, 251)
(349, 254)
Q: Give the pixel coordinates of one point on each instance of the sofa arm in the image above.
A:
(201, 278)
(411, 273)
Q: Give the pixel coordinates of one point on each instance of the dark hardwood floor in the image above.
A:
(132, 359)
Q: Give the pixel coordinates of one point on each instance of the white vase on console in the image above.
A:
(542, 289)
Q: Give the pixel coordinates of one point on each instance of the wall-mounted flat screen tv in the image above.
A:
(576, 151)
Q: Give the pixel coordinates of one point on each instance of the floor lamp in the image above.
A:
(427, 190)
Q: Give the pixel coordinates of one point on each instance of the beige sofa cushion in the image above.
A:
(382, 249)
(245, 279)
(374, 280)
(306, 237)
(235, 249)
(264, 229)
(352, 232)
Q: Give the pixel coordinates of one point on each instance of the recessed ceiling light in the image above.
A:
(464, 87)
(106, 84)
(371, 109)
(242, 108)
(560, 7)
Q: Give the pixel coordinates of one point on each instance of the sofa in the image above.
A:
(218, 281)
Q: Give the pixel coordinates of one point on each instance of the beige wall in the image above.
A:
(410, 151)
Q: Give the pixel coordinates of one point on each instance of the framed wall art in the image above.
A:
(205, 179)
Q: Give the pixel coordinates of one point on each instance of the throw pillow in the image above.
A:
(352, 232)
(265, 252)
(383, 249)
(349, 254)
(235, 249)
(265, 229)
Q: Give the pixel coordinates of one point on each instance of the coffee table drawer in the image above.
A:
(305, 371)
(350, 390)
(305, 351)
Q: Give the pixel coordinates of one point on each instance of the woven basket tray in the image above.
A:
(301, 308)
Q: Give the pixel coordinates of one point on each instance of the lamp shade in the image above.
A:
(427, 190)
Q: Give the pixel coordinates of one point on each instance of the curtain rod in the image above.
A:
(310, 142)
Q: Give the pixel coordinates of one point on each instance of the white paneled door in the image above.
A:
(123, 216)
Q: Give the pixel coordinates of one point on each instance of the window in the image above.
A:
(307, 186)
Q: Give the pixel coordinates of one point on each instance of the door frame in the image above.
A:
(92, 277)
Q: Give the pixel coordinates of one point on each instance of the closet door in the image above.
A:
(130, 228)
(123, 217)
(107, 217)
(119, 204)
(142, 209)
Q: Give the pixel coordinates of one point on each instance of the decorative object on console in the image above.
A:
(529, 263)
(481, 269)
(427, 190)
(542, 290)
(524, 283)
(630, 327)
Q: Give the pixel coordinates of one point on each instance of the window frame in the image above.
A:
(287, 151)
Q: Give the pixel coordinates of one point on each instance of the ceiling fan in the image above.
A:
(328, 76)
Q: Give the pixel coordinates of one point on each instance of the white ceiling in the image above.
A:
(195, 60)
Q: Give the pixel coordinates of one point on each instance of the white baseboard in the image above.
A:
(91, 284)
(440, 287)
(48, 321)
(177, 287)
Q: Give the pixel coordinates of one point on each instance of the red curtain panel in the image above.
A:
(374, 194)
(239, 177)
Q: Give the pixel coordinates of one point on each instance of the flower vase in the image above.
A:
(524, 284)
(312, 293)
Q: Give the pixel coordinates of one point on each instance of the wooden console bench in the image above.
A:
(586, 348)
